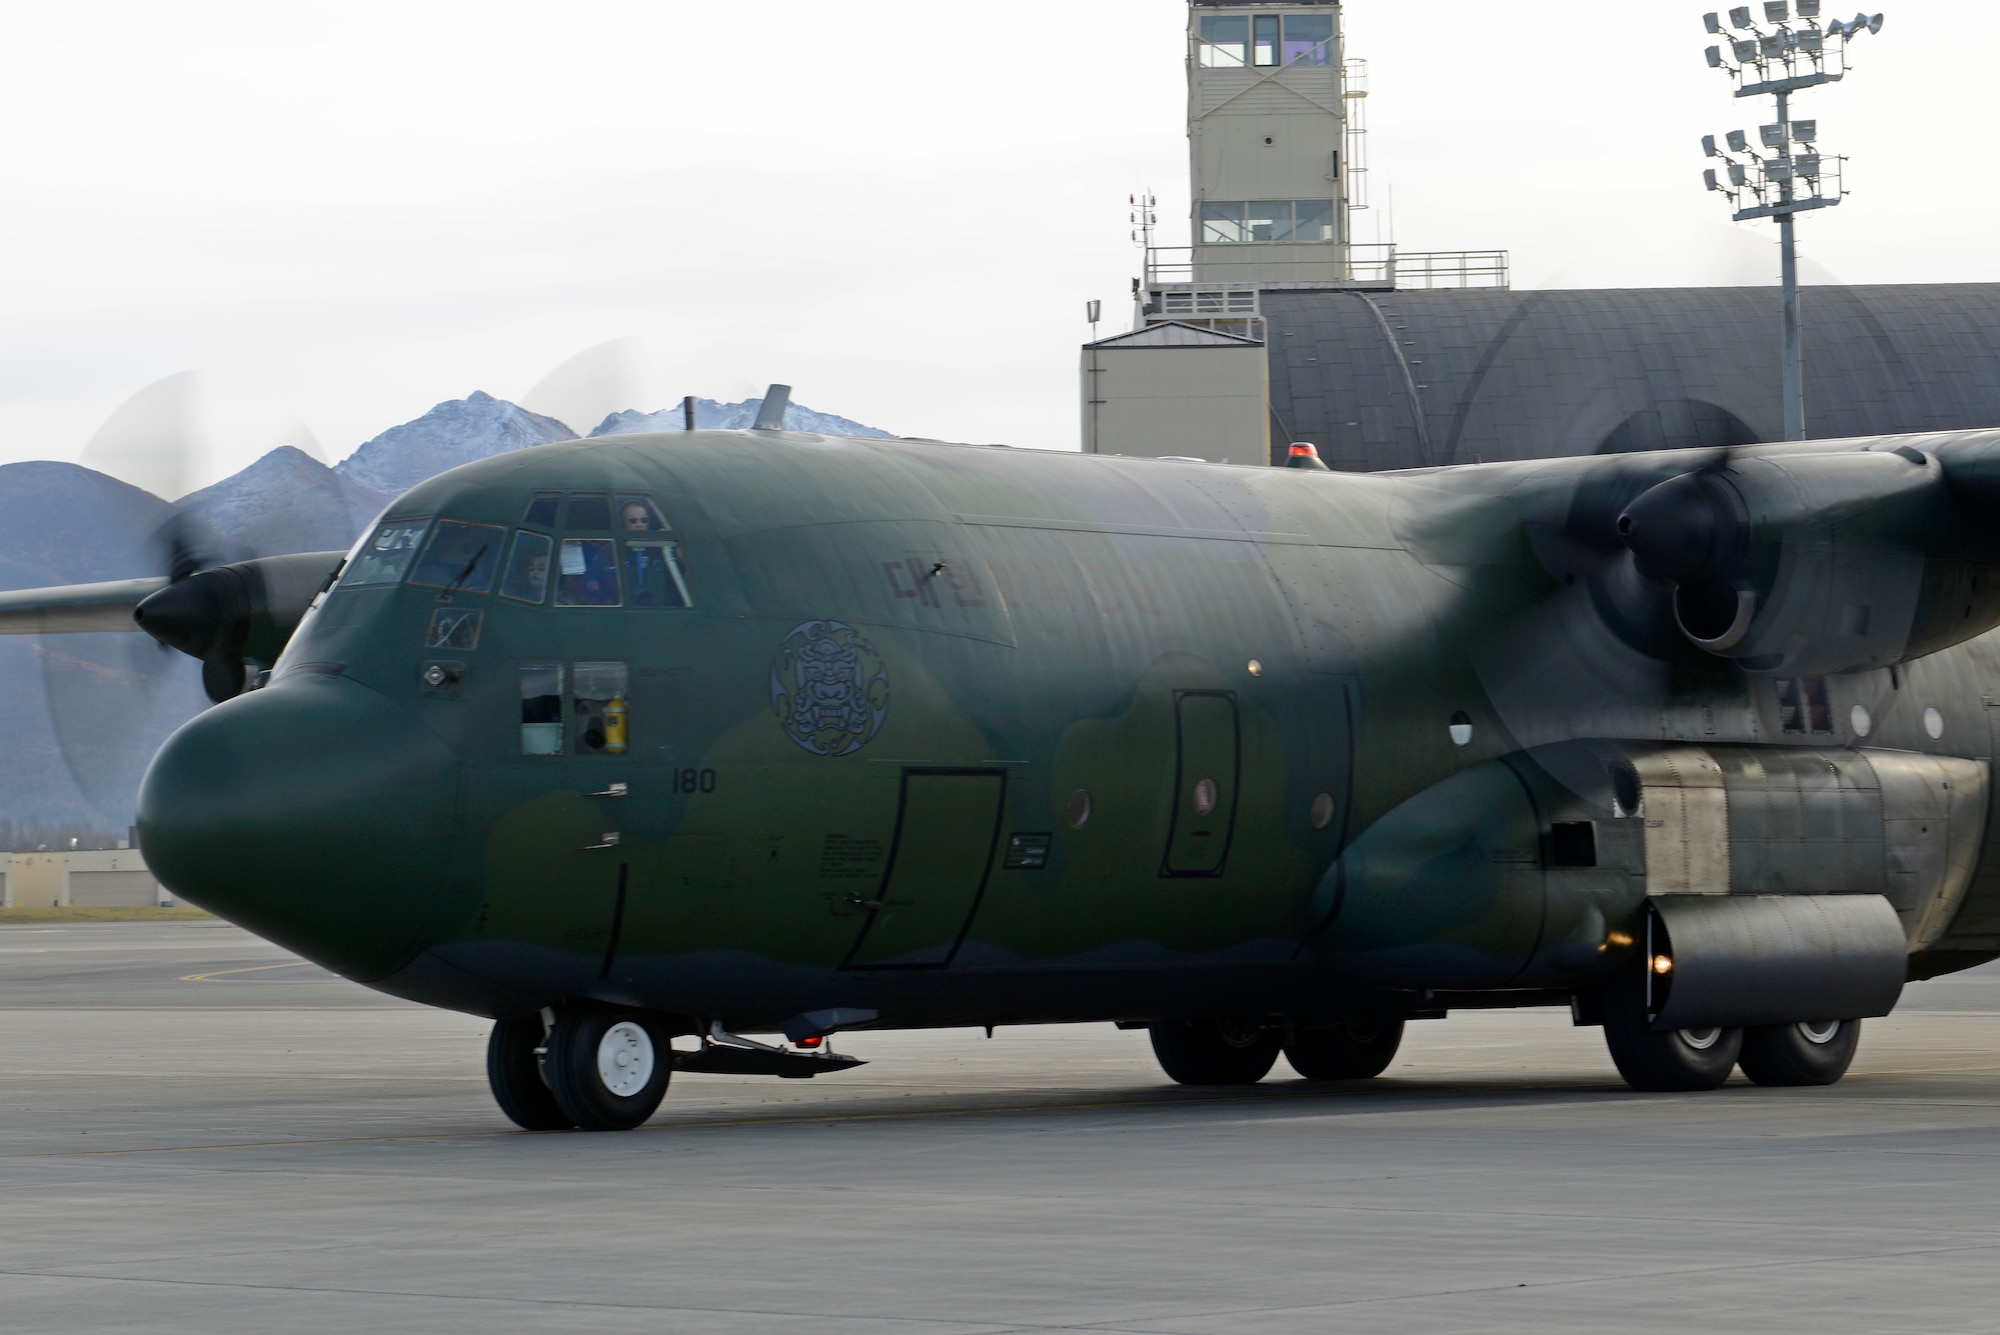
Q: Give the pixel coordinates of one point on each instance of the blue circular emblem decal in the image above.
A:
(829, 688)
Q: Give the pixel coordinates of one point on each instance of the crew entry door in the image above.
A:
(947, 829)
(1207, 758)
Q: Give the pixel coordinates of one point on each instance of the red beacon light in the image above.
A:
(1306, 456)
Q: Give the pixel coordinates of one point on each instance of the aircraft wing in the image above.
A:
(75, 607)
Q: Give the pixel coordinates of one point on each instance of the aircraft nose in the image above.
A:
(315, 812)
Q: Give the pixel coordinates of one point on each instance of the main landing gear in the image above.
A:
(1814, 1052)
(1224, 1052)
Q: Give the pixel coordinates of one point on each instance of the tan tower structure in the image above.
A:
(1275, 137)
(1268, 150)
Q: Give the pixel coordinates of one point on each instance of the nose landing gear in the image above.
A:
(514, 1072)
(600, 1070)
(607, 1069)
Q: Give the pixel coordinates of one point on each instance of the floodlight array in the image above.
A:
(1784, 174)
(1788, 50)
(1791, 177)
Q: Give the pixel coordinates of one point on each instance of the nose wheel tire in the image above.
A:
(1816, 1052)
(607, 1069)
(513, 1070)
(1359, 1047)
(1214, 1052)
(1672, 1061)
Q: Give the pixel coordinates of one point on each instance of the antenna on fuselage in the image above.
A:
(687, 413)
(771, 412)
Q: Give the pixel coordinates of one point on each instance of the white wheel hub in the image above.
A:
(625, 1058)
(1701, 1040)
(1819, 1032)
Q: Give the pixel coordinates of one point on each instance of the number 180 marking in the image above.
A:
(694, 781)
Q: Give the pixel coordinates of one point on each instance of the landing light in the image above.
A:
(1663, 964)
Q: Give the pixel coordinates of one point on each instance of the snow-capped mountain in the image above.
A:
(453, 433)
(287, 501)
(710, 415)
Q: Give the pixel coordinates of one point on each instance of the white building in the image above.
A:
(95, 878)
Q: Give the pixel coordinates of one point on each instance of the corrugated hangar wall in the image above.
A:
(1414, 378)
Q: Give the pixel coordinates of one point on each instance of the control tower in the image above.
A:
(1268, 143)
(1276, 130)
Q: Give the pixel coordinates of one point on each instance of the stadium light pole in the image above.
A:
(1788, 53)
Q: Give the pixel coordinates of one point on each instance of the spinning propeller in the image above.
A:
(113, 697)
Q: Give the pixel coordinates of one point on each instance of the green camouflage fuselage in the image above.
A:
(971, 735)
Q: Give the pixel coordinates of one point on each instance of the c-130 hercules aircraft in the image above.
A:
(759, 732)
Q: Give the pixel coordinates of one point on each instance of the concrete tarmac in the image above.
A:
(200, 1133)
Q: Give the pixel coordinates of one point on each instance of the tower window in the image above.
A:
(1224, 43)
(1312, 220)
(1234, 41)
(1308, 39)
(1266, 45)
(1227, 222)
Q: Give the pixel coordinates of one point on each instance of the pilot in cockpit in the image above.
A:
(636, 515)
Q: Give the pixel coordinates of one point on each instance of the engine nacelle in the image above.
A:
(227, 614)
(1818, 563)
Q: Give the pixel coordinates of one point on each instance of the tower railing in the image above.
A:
(1365, 266)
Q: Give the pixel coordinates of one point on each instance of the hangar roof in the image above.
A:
(1412, 378)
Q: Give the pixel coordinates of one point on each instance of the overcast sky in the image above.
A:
(343, 213)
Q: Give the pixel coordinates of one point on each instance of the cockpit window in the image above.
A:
(637, 515)
(589, 512)
(653, 575)
(461, 556)
(542, 509)
(384, 557)
(527, 577)
(589, 573)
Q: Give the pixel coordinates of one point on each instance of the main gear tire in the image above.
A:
(608, 1069)
(513, 1071)
(1814, 1052)
(1359, 1047)
(1214, 1052)
(1668, 1061)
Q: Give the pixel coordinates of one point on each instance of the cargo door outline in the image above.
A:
(982, 841)
(1186, 826)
